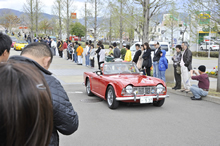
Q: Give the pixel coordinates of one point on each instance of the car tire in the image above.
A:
(88, 88)
(111, 98)
(159, 103)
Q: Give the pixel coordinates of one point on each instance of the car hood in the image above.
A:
(135, 80)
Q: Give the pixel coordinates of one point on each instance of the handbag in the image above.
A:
(178, 69)
(145, 62)
(91, 58)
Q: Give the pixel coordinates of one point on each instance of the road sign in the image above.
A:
(73, 15)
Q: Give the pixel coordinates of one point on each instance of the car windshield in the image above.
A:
(21, 42)
(120, 68)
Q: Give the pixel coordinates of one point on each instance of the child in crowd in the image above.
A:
(163, 65)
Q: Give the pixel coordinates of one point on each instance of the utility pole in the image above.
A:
(85, 23)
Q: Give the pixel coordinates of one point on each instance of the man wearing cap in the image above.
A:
(203, 85)
(156, 59)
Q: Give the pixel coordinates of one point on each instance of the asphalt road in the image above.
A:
(180, 121)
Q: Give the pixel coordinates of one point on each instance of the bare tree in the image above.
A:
(121, 21)
(29, 9)
(57, 9)
(85, 22)
(37, 10)
(68, 4)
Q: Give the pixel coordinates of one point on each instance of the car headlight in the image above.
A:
(160, 89)
(129, 89)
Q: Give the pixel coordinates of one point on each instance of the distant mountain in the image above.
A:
(19, 13)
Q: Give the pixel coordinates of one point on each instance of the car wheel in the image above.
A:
(88, 89)
(159, 103)
(111, 98)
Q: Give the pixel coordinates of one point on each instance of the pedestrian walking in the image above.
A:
(27, 111)
(203, 86)
(137, 53)
(75, 53)
(87, 54)
(128, 54)
(92, 55)
(186, 66)
(163, 65)
(147, 61)
(79, 52)
(64, 117)
(177, 69)
(5, 47)
(156, 59)
(117, 52)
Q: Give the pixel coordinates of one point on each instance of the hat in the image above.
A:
(202, 68)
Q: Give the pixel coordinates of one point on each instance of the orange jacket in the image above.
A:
(79, 51)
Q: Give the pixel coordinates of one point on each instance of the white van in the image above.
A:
(163, 45)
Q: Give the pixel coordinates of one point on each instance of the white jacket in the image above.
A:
(53, 44)
(102, 55)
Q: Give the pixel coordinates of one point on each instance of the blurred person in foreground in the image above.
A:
(5, 46)
(25, 106)
(65, 118)
(203, 86)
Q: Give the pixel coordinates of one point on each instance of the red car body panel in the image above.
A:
(99, 84)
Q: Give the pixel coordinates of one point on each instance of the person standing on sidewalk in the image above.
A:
(97, 52)
(156, 59)
(65, 50)
(79, 52)
(176, 65)
(203, 86)
(5, 47)
(117, 52)
(137, 53)
(87, 54)
(147, 61)
(75, 53)
(163, 65)
(101, 55)
(53, 47)
(92, 55)
(69, 50)
(128, 54)
(186, 66)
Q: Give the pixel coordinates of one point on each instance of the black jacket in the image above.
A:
(136, 56)
(98, 50)
(157, 55)
(65, 118)
(147, 56)
(187, 59)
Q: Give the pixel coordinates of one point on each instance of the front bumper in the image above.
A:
(139, 97)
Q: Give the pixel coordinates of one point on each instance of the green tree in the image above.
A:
(78, 29)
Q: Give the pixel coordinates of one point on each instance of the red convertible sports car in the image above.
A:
(122, 81)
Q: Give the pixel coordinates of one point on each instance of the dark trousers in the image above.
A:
(69, 56)
(148, 71)
(98, 61)
(177, 79)
(92, 62)
(60, 53)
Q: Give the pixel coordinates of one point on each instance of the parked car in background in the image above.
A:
(14, 40)
(213, 46)
(20, 44)
(122, 81)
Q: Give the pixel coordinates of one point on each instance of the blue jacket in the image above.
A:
(163, 65)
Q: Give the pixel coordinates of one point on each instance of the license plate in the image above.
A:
(146, 100)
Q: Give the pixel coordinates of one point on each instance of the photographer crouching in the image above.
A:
(203, 85)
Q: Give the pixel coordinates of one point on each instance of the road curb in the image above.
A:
(209, 98)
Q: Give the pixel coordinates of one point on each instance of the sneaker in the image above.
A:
(174, 88)
(193, 98)
(182, 90)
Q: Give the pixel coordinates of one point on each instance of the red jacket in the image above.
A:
(64, 45)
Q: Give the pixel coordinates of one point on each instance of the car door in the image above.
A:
(95, 83)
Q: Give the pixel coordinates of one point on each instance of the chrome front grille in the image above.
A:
(145, 90)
